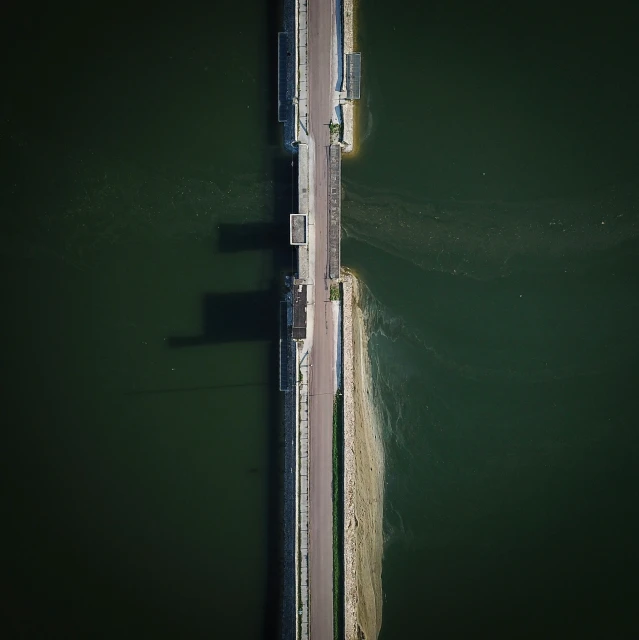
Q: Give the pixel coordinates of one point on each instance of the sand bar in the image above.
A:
(363, 478)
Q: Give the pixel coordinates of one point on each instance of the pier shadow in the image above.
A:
(254, 316)
(258, 236)
(233, 317)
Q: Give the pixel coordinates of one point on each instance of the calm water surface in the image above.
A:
(493, 216)
(139, 475)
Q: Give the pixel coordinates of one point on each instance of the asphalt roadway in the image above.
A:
(321, 15)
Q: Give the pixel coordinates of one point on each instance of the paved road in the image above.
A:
(320, 20)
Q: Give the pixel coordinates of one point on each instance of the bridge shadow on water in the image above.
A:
(259, 236)
(254, 316)
(234, 317)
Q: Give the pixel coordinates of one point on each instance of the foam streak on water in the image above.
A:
(486, 239)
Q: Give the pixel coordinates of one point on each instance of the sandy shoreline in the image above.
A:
(363, 479)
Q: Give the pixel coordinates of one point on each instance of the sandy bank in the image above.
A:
(363, 479)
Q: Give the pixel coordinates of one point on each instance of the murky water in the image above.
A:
(140, 378)
(493, 215)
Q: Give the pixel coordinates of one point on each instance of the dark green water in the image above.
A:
(493, 216)
(139, 477)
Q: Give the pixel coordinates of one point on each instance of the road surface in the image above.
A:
(321, 14)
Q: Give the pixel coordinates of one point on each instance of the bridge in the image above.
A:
(314, 60)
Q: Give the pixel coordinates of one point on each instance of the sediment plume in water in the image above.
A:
(363, 478)
(490, 239)
(133, 205)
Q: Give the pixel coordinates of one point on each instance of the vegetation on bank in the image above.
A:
(336, 131)
(336, 292)
(338, 516)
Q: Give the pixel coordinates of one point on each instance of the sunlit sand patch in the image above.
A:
(363, 478)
